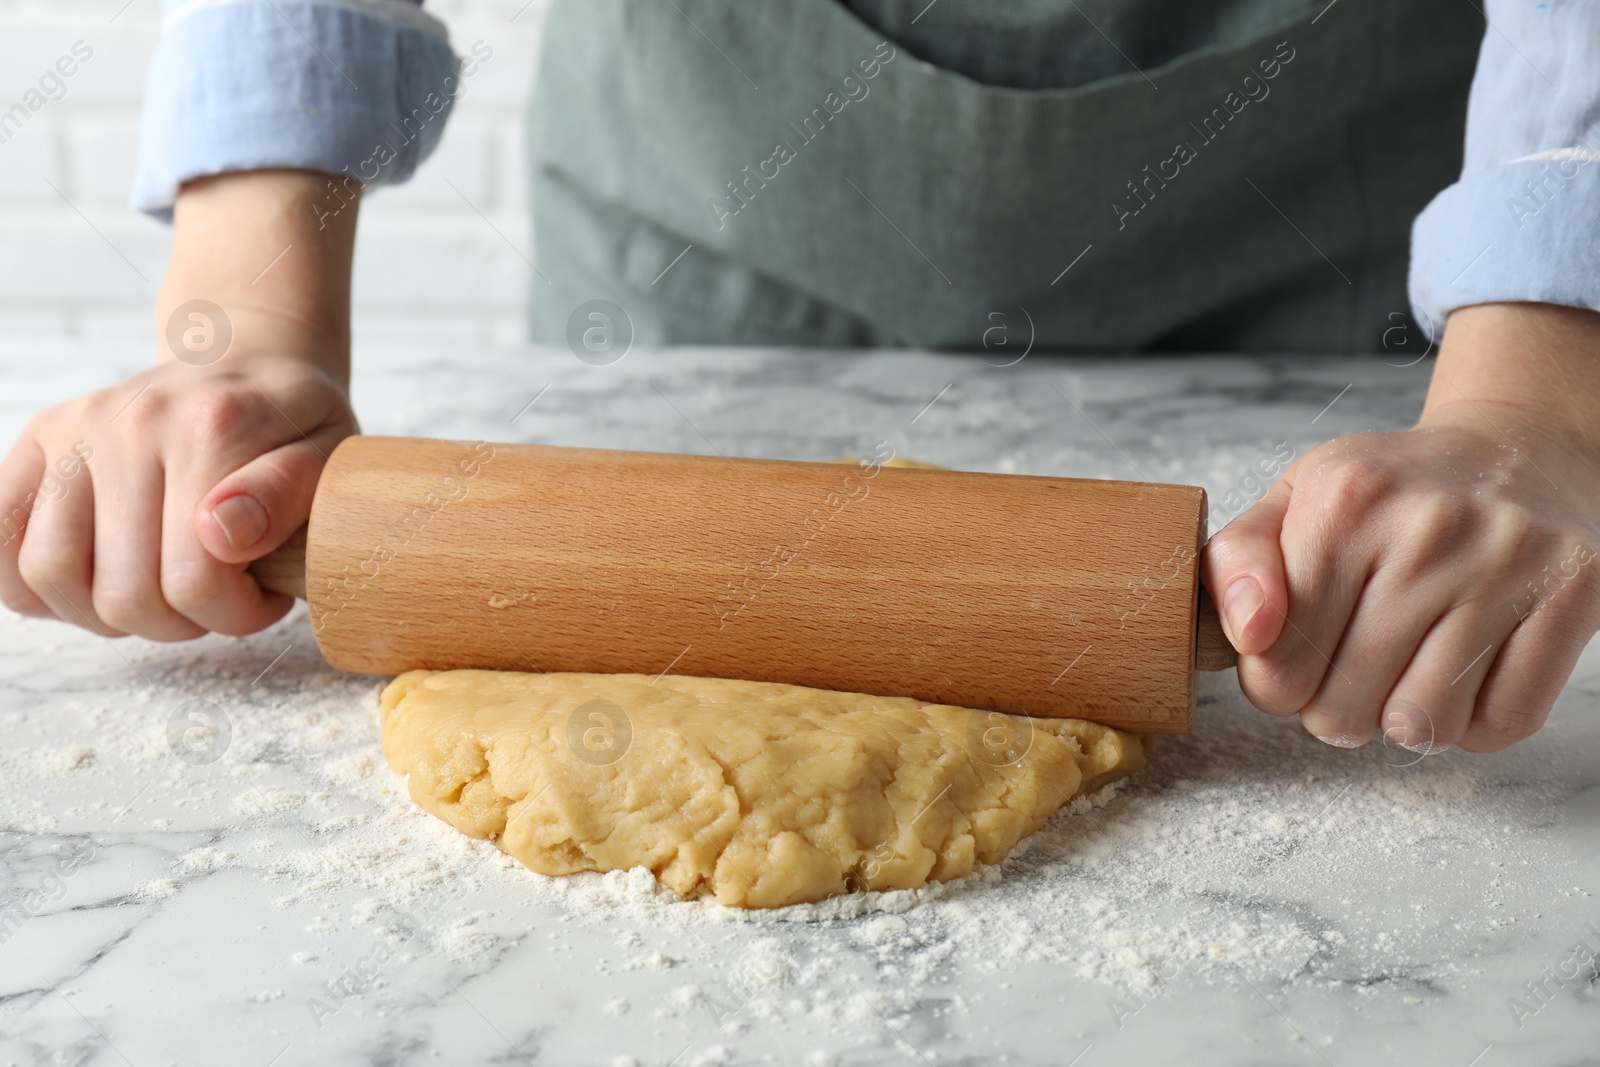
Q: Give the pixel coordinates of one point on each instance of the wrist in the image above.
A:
(1528, 370)
(267, 250)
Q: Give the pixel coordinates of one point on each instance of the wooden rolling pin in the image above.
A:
(1044, 596)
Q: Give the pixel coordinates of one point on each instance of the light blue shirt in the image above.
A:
(357, 87)
(364, 88)
(1523, 221)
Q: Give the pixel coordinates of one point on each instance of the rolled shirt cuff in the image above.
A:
(357, 87)
(1524, 231)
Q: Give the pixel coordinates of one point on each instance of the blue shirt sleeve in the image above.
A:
(355, 87)
(1523, 221)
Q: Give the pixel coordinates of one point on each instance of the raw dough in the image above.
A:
(763, 794)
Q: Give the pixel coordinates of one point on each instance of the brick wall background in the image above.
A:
(74, 260)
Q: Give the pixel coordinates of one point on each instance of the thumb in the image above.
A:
(1243, 570)
(254, 510)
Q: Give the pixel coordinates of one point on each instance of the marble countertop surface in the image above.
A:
(1253, 897)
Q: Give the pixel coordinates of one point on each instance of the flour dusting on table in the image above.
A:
(1190, 867)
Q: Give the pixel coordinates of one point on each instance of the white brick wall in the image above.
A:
(79, 262)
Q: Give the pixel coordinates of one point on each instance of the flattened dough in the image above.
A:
(762, 794)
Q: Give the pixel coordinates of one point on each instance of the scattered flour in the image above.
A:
(36, 763)
(1200, 865)
(353, 769)
(205, 860)
(268, 799)
(464, 940)
(160, 889)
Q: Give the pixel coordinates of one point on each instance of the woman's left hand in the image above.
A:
(1435, 584)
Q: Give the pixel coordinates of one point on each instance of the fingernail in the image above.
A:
(1410, 726)
(243, 520)
(1240, 603)
(1342, 740)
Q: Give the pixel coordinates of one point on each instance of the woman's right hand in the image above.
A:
(135, 509)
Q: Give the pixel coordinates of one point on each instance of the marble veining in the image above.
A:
(272, 900)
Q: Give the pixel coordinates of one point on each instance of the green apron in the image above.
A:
(1101, 176)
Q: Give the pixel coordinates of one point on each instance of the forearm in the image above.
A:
(273, 250)
(1538, 363)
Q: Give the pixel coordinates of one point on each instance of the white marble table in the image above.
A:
(1254, 897)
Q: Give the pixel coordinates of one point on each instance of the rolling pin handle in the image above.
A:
(1212, 649)
(283, 570)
